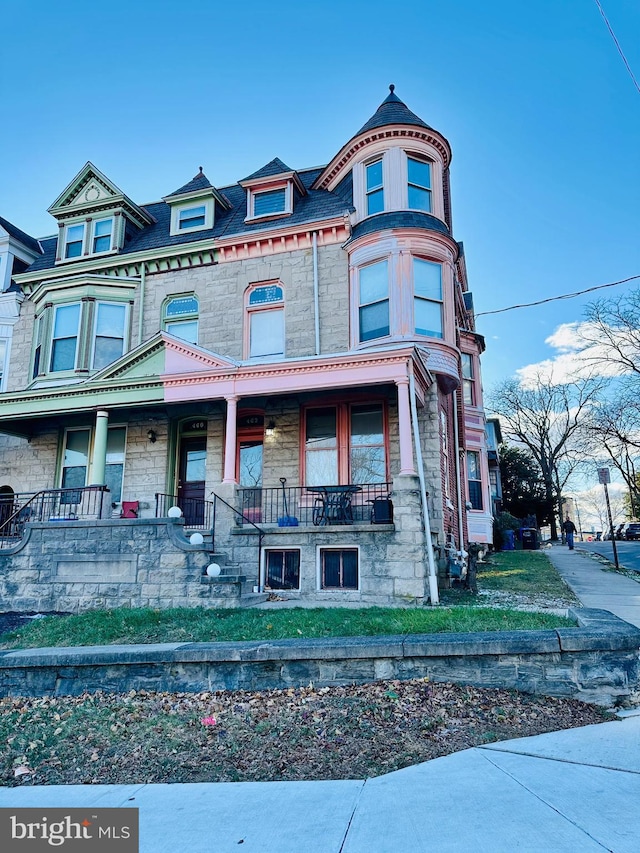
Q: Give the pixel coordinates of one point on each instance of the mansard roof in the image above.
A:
(312, 206)
(21, 236)
(392, 111)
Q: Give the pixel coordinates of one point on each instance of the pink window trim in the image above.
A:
(249, 310)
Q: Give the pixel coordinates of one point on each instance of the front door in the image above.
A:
(191, 479)
(250, 476)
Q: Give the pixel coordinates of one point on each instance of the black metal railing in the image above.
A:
(290, 506)
(197, 512)
(50, 505)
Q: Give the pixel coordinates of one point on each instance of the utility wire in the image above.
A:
(556, 298)
(617, 44)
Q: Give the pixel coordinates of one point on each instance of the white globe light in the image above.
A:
(213, 570)
(174, 512)
(196, 539)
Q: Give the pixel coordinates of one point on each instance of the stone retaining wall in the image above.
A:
(597, 662)
(83, 565)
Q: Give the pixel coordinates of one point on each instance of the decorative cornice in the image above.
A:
(388, 132)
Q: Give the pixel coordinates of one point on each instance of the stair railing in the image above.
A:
(261, 533)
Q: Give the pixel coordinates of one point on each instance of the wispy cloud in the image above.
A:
(577, 357)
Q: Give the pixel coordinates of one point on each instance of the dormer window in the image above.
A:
(102, 235)
(270, 202)
(375, 188)
(192, 217)
(419, 184)
(74, 240)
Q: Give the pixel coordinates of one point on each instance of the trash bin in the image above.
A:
(382, 511)
(509, 540)
(529, 537)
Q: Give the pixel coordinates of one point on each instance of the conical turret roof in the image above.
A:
(392, 111)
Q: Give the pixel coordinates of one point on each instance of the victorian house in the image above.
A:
(288, 363)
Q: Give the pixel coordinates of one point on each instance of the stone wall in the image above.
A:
(83, 565)
(597, 662)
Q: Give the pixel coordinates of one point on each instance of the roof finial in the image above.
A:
(200, 169)
(391, 88)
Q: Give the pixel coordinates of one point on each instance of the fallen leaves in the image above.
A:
(296, 733)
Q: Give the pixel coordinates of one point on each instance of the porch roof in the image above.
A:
(166, 370)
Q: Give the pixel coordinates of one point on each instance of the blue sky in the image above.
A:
(542, 116)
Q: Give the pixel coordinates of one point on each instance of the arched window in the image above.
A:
(264, 333)
(180, 317)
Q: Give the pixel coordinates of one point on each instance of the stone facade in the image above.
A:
(597, 662)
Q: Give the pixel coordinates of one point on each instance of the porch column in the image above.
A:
(230, 442)
(99, 456)
(404, 428)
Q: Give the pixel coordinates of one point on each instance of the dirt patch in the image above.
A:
(326, 733)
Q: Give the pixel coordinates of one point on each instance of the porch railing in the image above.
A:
(308, 505)
(198, 513)
(53, 505)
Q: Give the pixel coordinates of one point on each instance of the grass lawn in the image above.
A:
(527, 572)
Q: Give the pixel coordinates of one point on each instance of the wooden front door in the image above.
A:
(191, 479)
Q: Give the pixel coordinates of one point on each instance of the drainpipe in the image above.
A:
(456, 441)
(143, 270)
(433, 577)
(316, 291)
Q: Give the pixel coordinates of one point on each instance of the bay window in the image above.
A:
(468, 383)
(373, 299)
(64, 342)
(474, 479)
(427, 298)
(419, 184)
(109, 334)
(374, 188)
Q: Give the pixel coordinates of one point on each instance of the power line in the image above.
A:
(557, 298)
(617, 44)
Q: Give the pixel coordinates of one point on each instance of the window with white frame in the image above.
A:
(265, 320)
(102, 240)
(109, 333)
(374, 188)
(418, 184)
(180, 317)
(76, 455)
(427, 298)
(474, 479)
(468, 383)
(373, 301)
(192, 217)
(74, 240)
(338, 568)
(64, 341)
(269, 202)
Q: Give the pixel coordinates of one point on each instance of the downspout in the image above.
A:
(456, 442)
(316, 292)
(143, 270)
(433, 577)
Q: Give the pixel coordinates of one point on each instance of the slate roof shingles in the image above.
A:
(21, 236)
(314, 206)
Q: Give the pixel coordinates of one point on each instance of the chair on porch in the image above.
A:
(130, 509)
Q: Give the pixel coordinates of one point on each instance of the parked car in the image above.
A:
(632, 530)
(619, 534)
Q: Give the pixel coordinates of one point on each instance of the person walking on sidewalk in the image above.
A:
(569, 529)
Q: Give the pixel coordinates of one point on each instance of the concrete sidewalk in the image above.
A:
(565, 792)
(596, 587)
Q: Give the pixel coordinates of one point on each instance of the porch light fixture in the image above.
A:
(151, 435)
(271, 428)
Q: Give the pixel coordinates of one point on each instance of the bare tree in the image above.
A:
(595, 505)
(547, 418)
(612, 334)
